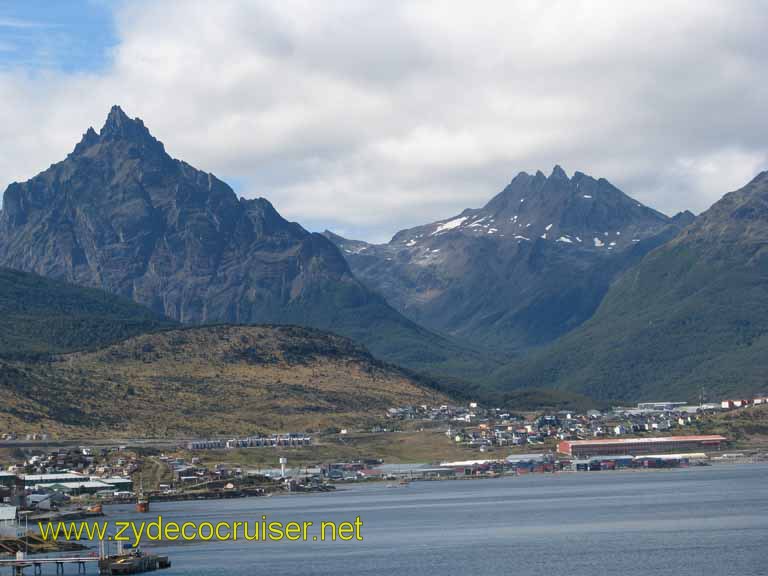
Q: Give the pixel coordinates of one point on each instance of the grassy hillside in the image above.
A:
(408, 446)
(39, 316)
(747, 428)
(209, 380)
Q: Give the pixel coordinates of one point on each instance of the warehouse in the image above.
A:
(31, 480)
(637, 446)
(76, 488)
(7, 479)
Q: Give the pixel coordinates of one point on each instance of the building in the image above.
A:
(414, 471)
(77, 488)
(32, 480)
(7, 479)
(637, 446)
(660, 406)
(8, 525)
(119, 484)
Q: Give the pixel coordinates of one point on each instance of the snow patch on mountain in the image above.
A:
(450, 225)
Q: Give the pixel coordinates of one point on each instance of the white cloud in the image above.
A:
(368, 117)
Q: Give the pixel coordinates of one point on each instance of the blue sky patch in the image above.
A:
(71, 36)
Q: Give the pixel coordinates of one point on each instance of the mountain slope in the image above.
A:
(39, 316)
(531, 265)
(208, 380)
(693, 314)
(120, 214)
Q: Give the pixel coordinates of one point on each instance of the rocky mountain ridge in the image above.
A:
(529, 266)
(689, 320)
(122, 215)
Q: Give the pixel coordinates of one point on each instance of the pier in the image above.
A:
(131, 563)
(20, 563)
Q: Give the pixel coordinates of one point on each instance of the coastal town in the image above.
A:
(46, 481)
(494, 441)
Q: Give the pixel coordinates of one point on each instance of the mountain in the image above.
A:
(692, 315)
(208, 380)
(531, 265)
(39, 316)
(121, 215)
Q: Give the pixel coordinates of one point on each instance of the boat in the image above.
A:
(95, 510)
(142, 501)
(134, 562)
(142, 504)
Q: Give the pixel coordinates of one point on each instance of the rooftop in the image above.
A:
(75, 485)
(658, 439)
(54, 477)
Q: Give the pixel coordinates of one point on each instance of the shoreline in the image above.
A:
(340, 487)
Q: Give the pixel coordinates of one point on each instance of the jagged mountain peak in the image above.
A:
(691, 313)
(578, 212)
(119, 125)
(130, 134)
(89, 139)
(556, 186)
(116, 119)
(530, 265)
(119, 209)
(122, 215)
(558, 173)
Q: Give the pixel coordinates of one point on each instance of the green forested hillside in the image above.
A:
(39, 316)
(692, 316)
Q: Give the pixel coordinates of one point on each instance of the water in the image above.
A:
(695, 521)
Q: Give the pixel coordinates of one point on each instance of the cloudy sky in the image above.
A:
(368, 117)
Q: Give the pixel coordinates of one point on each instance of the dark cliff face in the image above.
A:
(120, 214)
(529, 266)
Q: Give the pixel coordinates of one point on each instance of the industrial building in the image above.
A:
(32, 480)
(7, 479)
(660, 406)
(76, 488)
(638, 446)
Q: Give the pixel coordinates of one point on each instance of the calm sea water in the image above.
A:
(695, 521)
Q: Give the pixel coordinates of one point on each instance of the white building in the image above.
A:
(8, 525)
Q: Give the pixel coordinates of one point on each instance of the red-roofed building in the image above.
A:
(638, 446)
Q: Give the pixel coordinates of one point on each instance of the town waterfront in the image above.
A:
(699, 520)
